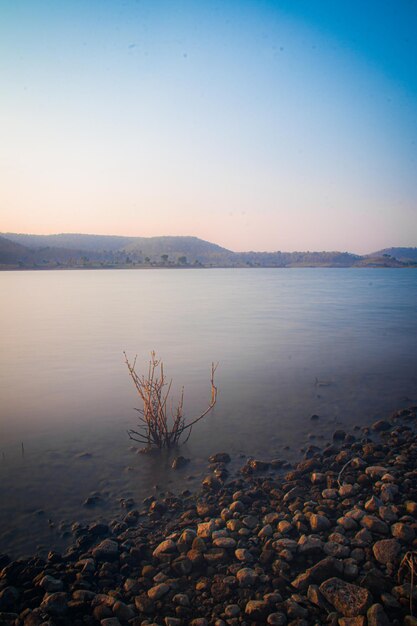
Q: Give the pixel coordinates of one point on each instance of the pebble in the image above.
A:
(253, 548)
(157, 592)
(246, 577)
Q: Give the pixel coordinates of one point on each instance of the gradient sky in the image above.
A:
(286, 125)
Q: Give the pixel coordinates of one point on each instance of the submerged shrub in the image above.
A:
(158, 428)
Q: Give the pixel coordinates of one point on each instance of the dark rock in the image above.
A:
(107, 550)
(179, 462)
(319, 523)
(386, 550)
(377, 616)
(321, 571)
(257, 610)
(219, 457)
(211, 483)
(349, 600)
(375, 525)
(381, 425)
(55, 604)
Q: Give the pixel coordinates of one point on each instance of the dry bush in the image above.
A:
(408, 567)
(158, 426)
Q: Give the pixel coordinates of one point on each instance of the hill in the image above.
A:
(89, 251)
(405, 255)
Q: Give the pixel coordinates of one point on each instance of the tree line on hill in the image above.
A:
(104, 251)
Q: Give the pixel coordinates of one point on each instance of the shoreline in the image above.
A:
(208, 267)
(322, 544)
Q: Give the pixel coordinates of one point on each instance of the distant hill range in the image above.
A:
(104, 251)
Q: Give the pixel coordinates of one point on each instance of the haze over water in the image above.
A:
(278, 336)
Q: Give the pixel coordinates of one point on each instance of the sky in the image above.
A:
(257, 125)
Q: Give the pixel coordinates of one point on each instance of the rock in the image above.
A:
(182, 565)
(389, 492)
(284, 527)
(179, 462)
(329, 494)
(377, 616)
(55, 604)
(107, 550)
(232, 610)
(257, 609)
(403, 532)
(380, 425)
(242, 554)
(332, 548)
(309, 544)
(347, 491)
(254, 465)
(375, 525)
(181, 599)
(375, 471)
(349, 600)
(8, 598)
(219, 457)
(386, 550)
(205, 529)
(51, 584)
(372, 505)
(250, 521)
(276, 619)
(246, 577)
(324, 569)
(266, 531)
(319, 523)
(158, 591)
(359, 620)
(110, 621)
(387, 514)
(411, 507)
(144, 604)
(317, 478)
(339, 435)
(211, 483)
(164, 549)
(224, 542)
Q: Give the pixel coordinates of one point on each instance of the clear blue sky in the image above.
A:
(257, 125)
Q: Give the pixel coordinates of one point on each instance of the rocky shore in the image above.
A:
(330, 541)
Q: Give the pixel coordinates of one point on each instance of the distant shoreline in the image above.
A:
(10, 268)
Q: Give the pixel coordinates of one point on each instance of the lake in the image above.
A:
(339, 343)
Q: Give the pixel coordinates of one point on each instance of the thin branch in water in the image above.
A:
(159, 428)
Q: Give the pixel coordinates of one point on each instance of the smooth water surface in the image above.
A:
(341, 343)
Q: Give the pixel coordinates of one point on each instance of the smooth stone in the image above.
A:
(376, 616)
(55, 603)
(319, 523)
(164, 548)
(51, 584)
(107, 549)
(246, 577)
(375, 525)
(157, 592)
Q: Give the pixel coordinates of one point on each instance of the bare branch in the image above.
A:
(154, 392)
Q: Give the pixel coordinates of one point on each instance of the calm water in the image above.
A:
(65, 390)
